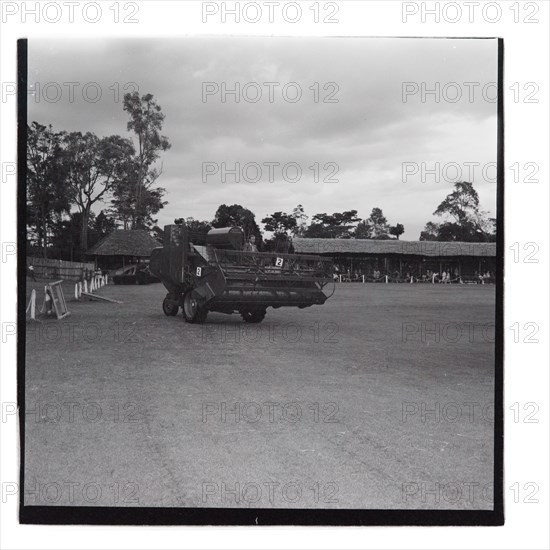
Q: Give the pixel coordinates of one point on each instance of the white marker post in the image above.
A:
(32, 305)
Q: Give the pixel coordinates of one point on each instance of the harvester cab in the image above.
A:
(211, 272)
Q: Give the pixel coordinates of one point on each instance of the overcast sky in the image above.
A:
(368, 133)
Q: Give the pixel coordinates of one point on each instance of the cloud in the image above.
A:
(368, 133)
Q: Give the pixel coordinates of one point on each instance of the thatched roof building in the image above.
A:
(393, 246)
(123, 246)
(359, 257)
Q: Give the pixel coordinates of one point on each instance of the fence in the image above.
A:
(46, 268)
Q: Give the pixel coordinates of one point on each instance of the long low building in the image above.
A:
(404, 259)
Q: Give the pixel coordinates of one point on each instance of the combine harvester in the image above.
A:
(211, 272)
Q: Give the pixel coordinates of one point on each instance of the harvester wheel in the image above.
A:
(169, 307)
(253, 316)
(192, 312)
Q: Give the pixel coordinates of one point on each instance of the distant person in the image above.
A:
(250, 245)
(31, 273)
(291, 249)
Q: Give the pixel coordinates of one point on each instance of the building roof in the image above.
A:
(125, 242)
(392, 246)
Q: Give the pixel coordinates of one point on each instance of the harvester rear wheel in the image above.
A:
(253, 316)
(169, 307)
(192, 312)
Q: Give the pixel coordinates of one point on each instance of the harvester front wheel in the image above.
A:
(169, 307)
(253, 316)
(192, 312)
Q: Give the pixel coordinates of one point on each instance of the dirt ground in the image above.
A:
(381, 398)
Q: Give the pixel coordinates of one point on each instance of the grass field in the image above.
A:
(381, 398)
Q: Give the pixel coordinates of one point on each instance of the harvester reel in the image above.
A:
(254, 316)
(192, 311)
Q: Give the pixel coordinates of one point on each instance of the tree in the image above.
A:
(451, 231)
(280, 223)
(378, 224)
(301, 221)
(465, 221)
(197, 226)
(333, 226)
(91, 164)
(103, 225)
(461, 204)
(46, 177)
(237, 216)
(397, 230)
(136, 184)
(362, 231)
(430, 232)
(131, 212)
(65, 240)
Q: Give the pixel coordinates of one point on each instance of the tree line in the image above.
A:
(283, 226)
(70, 172)
(462, 220)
